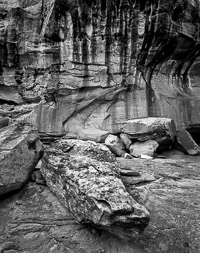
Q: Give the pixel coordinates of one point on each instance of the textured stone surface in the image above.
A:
(115, 145)
(4, 121)
(34, 220)
(96, 64)
(93, 134)
(186, 143)
(148, 148)
(126, 140)
(86, 179)
(162, 130)
(20, 150)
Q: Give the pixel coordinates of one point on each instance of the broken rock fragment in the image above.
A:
(147, 148)
(86, 178)
(20, 151)
(115, 145)
(126, 140)
(186, 143)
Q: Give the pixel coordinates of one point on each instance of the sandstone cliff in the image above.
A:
(80, 64)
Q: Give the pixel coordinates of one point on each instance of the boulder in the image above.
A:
(4, 121)
(93, 134)
(162, 130)
(86, 179)
(147, 148)
(20, 151)
(186, 143)
(126, 140)
(115, 145)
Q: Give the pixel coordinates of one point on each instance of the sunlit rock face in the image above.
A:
(95, 64)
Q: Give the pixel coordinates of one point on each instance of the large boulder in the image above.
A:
(162, 130)
(20, 151)
(148, 148)
(86, 179)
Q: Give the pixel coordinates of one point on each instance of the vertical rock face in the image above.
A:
(96, 64)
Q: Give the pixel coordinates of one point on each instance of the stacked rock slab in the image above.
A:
(93, 134)
(86, 178)
(162, 130)
(20, 151)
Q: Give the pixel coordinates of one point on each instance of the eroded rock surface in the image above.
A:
(20, 151)
(148, 148)
(186, 143)
(86, 179)
(153, 128)
(95, 64)
(33, 220)
(115, 144)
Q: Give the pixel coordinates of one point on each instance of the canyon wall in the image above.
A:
(67, 65)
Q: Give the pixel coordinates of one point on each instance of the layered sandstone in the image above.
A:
(95, 64)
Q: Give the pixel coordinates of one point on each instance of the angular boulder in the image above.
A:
(186, 143)
(86, 179)
(162, 130)
(20, 151)
(115, 145)
(126, 140)
(150, 128)
(147, 148)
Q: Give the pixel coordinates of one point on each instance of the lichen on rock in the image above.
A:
(86, 178)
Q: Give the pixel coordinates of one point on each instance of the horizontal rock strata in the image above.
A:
(96, 64)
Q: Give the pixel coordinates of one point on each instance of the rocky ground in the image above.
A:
(33, 220)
